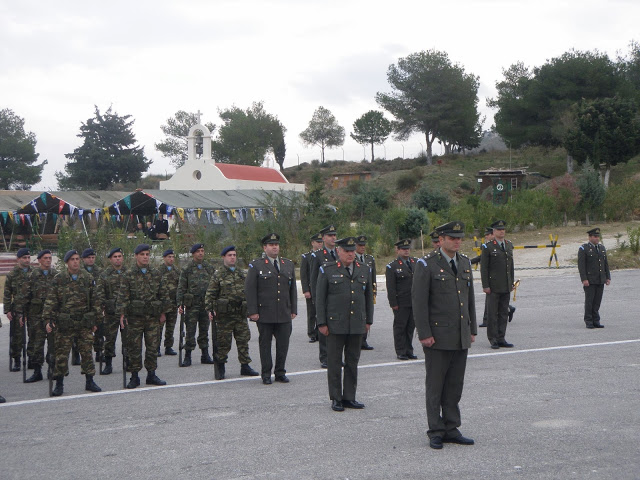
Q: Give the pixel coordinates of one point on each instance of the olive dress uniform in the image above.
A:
(320, 258)
(272, 293)
(305, 281)
(370, 262)
(594, 267)
(399, 276)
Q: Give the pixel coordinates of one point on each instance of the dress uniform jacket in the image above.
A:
(399, 278)
(305, 271)
(370, 262)
(593, 264)
(319, 258)
(496, 266)
(270, 294)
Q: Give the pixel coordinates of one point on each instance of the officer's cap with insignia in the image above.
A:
(594, 232)
(361, 239)
(141, 248)
(42, 253)
(22, 252)
(488, 230)
(195, 247)
(329, 230)
(499, 225)
(69, 254)
(114, 250)
(403, 244)
(168, 251)
(87, 252)
(225, 250)
(348, 244)
(434, 236)
(316, 238)
(270, 238)
(453, 229)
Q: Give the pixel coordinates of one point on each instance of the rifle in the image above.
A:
(181, 338)
(24, 347)
(51, 357)
(214, 346)
(125, 360)
(11, 327)
(100, 334)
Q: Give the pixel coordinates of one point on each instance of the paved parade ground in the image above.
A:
(564, 403)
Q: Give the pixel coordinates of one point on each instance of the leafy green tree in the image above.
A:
(246, 137)
(279, 148)
(566, 193)
(416, 221)
(174, 146)
(17, 154)
(592, 192)
(371, 129)
(429, 199)
(108, 154)
(323, 130)
(435, 97)
(606, 131)
(369, 200)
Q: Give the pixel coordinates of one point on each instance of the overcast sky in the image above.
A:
(150, 59)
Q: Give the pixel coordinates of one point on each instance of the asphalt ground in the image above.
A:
(564, 403)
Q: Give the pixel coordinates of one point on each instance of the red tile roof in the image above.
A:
(246, 172)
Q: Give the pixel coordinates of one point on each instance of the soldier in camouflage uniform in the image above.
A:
(72, 308)
(89, 264)
(32, 297)
(170, 278)
(108, 287)
(227, 306)
(141, 306)
(192, 288)
(12, 288)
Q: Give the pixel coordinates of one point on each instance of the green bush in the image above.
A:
(621, 201)
(634, 239)
(406, 181)
(431, 200)
(416, 221)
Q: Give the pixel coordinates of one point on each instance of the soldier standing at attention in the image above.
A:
(594, 274)
(170, 278)
(12, 288)
(435, 240)
(305, 281)
(496, 268)
(192, 288)
(271, 292)
(73, 309)
(488, 237)
(344, 302)
(444, 304)
(108, 287)
(141, 308)
(89, 264)
(227, 306)
(399, 276)
(365, 259)
(34, 293)
(322, 257)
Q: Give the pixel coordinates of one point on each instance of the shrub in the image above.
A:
(431, 200)
(406, 181)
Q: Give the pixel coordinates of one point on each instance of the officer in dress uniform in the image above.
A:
(399, 276)
(344, 302)
(271, 292)
(305, 280)
(594, 274)
(496, 268)
(365, 259)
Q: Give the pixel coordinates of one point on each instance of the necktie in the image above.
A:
(275, 264)
(502, 246)
(361, 259)
(349, 270)
(409, 266)
(333, 255)
(453, 267)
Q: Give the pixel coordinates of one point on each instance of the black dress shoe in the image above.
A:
(170, 351)
(337, 406)
(313, 339)
(411, 356)
(282, 379)
(590, 327)
(505, 344)
(512, 310)
(598, 325)
(435, 442)
(495, 346)
(459, 440)
(266, 380)
(366, 346)
(403, 357)
(323, 365)
(482, 324)
(352, 404)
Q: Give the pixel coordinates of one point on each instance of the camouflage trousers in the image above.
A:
(138, 328)
(228, 325)
(16, 337)
(196, 317)
(169, 329)
(37, 337)
(63, 342)
(110, 329)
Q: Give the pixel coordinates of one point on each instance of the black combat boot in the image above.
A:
(135, 381)
(245, 369)
(108, 368)
(90, 385)
(205, 358)
(170, 351)
(16, 365)
(59, 388)
(29, 364)
(187, 358)
(75, 357)
(218, 370)
(152, 378)
(37, 375)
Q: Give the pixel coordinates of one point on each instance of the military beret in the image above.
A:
(196, 247)
(316, 238)
(488, 230)
(403, 244)
(228, 249)
(141, 248)
(361, 239)
(42, 253)
(270, 238)
(88, 252)
(453, 229)
(114, 250)
(434, 236)
(347, 243)
(168, 251)
(329, 230)
(69, 254)
(22, 252)
(499, 225)
(594, 232)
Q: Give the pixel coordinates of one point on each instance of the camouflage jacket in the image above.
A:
(226, 291)
(13, 286)
(69, 296)
(170, 278)
(94, 272)
(194, 281)
(141, 293)
(108, 287)
(33, 292)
